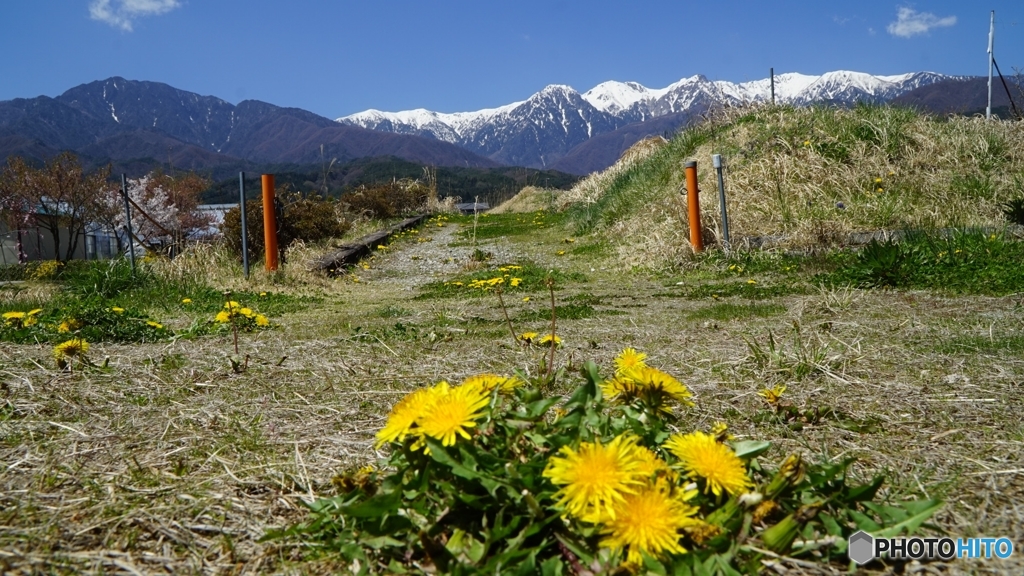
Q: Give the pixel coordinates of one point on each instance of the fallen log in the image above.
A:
(349, 254)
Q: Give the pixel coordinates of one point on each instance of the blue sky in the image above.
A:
(339, 57)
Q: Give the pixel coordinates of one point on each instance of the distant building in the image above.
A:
(216, 213)
(36, 242)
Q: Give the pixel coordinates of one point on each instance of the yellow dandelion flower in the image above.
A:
(490, 382)
(186, 300)
(156, 325)
(117, 309)
(262, 320)
(247, 312)
(223, 317)
(515, 282)
(403, 416)
(263, 294)
(70, 349)
(751, 281)
(451, 411)
(878, 180)
(703, 456)
(807, 142)
(648, 521)
(69, 325)
(526, 298)
(560, 253)
(596, 477)
(772, 395)
(232, 305)
(628, 359)
(528, 336)
(649, 385)
(550, 339)
(35, 311)
(14, 318)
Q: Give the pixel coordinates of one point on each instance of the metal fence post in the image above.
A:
(716, 159)
(245, 231)
(128, 220)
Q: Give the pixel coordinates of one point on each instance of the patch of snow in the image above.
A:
(613, 96)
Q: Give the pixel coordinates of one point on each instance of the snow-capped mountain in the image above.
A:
(538, 131)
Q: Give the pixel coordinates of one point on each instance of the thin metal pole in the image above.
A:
(771, 73)
(245, 231)
(128, 219)
(991, 59)
(716, 159)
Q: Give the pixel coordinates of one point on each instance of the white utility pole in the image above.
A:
(991, 59)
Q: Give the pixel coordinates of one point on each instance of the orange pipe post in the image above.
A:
(269, 222)
(693, 204)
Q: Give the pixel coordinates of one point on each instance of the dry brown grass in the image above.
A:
(171, 462)
(529, 199)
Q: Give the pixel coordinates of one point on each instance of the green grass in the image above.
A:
(960, 262)
(494, 226)
(972, 344)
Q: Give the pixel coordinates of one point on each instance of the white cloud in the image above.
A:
(910, 22)
(121, 13)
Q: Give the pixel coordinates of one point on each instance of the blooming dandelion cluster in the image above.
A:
(506, 277)
(635, 381)
(22, 319)
(241, 317)
(93, 321)
(490, 476)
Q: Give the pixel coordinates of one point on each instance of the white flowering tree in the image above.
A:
(164, 209)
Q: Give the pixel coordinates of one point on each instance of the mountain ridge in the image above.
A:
(128, 121)
(541, 130)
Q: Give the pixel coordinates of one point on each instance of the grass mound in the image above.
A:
(803, 176)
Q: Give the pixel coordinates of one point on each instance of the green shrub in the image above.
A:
(1014, 211)
(399, 198)
(304, 218)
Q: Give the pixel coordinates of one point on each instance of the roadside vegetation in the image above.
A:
(429, 408)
